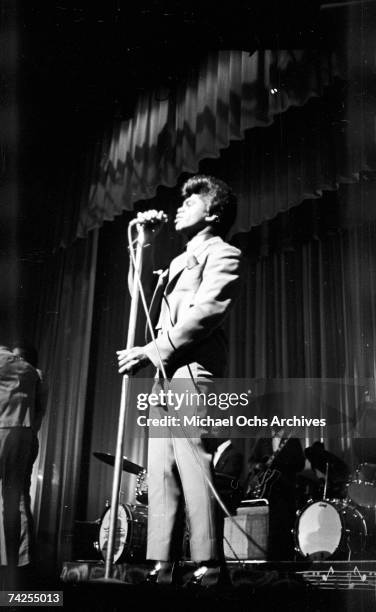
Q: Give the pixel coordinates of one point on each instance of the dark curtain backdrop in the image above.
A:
(172, 130)
(57, 316)
(305, 151)
(110, 325)
(308, 311)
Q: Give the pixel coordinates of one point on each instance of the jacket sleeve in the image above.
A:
(216, 294)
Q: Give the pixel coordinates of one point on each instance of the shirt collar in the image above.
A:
(221, 448)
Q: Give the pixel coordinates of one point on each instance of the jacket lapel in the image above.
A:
(222, 460)
(179, 263)
(168, 278)
(176, 267)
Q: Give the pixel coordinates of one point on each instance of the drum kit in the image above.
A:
(340, 529)
(132, 519)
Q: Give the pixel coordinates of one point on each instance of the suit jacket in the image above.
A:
(22, 401)
(230, 462)
(192, 301)
(226, 477)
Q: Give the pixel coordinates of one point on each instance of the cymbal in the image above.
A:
(128, 466)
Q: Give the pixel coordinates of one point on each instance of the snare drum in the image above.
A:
(327, 529)
(362, 488)
(130, 538)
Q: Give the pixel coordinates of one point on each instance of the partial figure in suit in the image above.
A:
(228, 466)
(21, 411)
(288, 461)
(29, 354)
(196, 294)
(227, 460)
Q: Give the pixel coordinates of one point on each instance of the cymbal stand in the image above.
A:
(326, 480)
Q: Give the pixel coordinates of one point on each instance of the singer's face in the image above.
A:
(192, 215)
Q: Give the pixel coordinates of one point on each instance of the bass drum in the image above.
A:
(130, 537)
(362, 488)
(330, 529)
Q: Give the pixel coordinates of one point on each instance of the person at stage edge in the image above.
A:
(22, 406)
(192, 300)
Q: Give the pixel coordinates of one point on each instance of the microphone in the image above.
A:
(150, 218)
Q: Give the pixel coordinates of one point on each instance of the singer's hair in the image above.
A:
(223, 201)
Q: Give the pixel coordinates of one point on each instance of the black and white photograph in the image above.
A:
(188, 305)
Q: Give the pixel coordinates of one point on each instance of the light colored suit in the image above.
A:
(193, 299)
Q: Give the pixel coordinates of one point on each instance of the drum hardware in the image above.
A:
(85, 540)
(130, 535)
(326, 479)
(221, 481)
(329, 529)
(141, 490)
(128, 466)
(362, 488)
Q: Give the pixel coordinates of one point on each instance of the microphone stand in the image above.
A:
(123, 408)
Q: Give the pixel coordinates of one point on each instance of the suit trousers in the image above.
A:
(179, 468)
(16, 450)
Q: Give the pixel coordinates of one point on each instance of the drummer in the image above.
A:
(321, 462)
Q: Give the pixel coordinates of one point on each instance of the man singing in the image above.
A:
(196, 296)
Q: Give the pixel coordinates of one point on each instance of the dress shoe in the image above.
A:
(162, 573)
(209, 576)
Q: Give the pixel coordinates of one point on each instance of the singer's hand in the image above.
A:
(152, 222)
(132, 360)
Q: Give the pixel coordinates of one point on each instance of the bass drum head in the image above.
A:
(130, 535)
(318, 531)
(121, 532)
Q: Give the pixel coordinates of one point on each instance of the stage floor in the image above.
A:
(293, 586)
